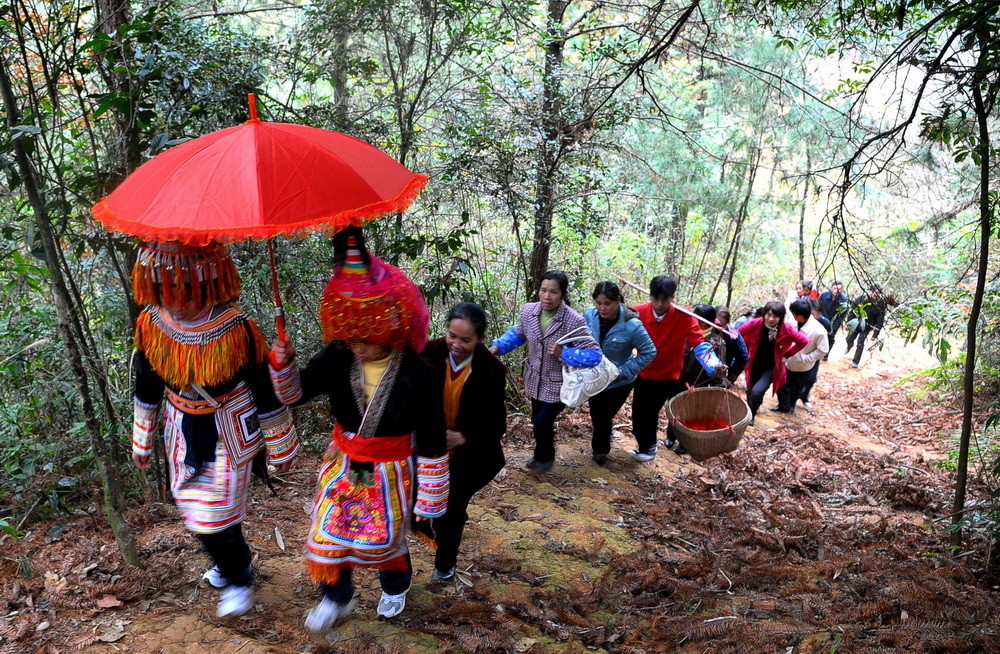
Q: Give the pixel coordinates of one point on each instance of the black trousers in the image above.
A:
(795, 388)
(834, 328)
(393, 582)
(603, 408)
(543, 425)
(650, 396)
(230, 552)
(757, 388)
(860, 335)
(810, 381)
(448, 529)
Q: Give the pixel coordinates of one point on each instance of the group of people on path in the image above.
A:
(417, 425)
(416, 432)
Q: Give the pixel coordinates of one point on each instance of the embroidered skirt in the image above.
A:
(360, 517)
(214, 496)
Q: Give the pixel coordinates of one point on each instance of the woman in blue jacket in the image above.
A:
(624, 340)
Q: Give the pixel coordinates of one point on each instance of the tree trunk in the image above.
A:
(733, 252)
(547, 161)
(802, 217)
(124, 148)
(113, 496)
(675, 247)
(972, 325)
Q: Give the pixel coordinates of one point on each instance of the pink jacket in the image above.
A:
(786, 344)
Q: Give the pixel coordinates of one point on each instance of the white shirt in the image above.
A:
(818, 347)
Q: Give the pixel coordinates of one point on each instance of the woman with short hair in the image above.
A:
(770, 342)
(540, 326)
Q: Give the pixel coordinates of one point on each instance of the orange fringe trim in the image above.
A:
(329, 573)
(216, 362)
(206, 278)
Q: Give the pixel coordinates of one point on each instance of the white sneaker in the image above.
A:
(214, 576)
(392, 605)
(235, 600)
(807, 406)
(323, 616)
(643, 456)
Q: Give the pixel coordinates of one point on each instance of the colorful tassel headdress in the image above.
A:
(174, 273)
(369, 300)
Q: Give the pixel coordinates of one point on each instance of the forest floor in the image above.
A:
(822, 533)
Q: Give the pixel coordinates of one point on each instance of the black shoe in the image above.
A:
(752, 418)
(679, 449)
(539, 466)
(599, 459)
(669, 442)
(780, 409)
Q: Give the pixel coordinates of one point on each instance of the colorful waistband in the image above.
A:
(201, 407)
(379, 449)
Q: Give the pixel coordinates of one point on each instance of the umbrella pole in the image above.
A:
(279, 312)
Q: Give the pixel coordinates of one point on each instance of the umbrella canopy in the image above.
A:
(258, 180)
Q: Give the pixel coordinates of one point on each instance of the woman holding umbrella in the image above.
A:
(208, 359)
(387, 409)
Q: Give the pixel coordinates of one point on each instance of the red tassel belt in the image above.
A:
(378, 449)
(197, 407)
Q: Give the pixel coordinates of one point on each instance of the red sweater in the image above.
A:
(672, 336)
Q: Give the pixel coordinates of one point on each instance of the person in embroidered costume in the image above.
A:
(387, 409)
(222, 419)
(473, 382)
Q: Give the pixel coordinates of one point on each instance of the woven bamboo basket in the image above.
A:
(705, 404)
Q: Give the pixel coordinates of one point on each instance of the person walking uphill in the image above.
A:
(625, 342)
(803, 364)
(541, 325)
(833, 304)
(868, 317)
(221, 415)
(672, 332)
(474, 384)
(770, 342)
(388, 427)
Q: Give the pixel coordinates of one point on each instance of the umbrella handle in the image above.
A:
(279, 312)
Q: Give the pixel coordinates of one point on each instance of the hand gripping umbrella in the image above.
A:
(255, 181)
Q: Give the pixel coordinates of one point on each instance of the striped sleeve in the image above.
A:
(432, 486)
(143, 426)
(287, 383)
(279, 435)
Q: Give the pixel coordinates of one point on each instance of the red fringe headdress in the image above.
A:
(165, 273)
(369, 300)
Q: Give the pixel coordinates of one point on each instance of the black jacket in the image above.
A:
(482, 415)
(414, 404)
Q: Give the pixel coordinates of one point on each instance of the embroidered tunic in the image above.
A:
(366, 489)
(210, 443)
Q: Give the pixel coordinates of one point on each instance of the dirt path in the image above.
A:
(817, 535)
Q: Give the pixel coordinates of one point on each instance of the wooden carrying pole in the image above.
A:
(676, 306)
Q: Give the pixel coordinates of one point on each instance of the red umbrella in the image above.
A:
(258, 180)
